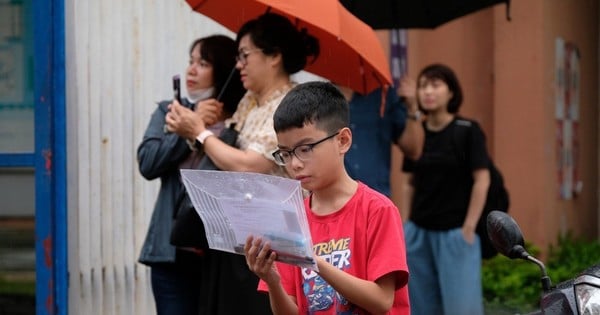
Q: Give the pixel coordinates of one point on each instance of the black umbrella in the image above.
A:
(391, 14)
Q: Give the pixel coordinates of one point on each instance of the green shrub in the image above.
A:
(9, 286)
(510, 284)
(515, 285)
(571, 256)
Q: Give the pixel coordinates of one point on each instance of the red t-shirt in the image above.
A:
(364, 238)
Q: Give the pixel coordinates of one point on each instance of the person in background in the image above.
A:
(270, 49)
(447, 194)
(373, 134)
(175, 273)
(356, 232)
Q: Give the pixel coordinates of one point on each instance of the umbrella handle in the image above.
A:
(226, 84)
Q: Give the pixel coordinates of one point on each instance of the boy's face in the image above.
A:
(313, 156)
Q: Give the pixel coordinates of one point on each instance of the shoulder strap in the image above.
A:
(461, 138)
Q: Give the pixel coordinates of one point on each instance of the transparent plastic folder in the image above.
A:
(234, 205)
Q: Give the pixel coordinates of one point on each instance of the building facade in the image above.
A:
(532, 83)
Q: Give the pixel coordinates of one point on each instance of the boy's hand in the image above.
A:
(260, 259)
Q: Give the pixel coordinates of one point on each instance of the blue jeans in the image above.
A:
(177, 286)
(445, 272)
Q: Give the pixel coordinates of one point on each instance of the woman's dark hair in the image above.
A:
(220, 52)
(274, 33)
(444, 73)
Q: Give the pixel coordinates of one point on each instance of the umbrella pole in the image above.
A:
(226, 84)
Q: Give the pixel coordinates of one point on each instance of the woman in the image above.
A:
(270, 49)
(447, 194)
(174, 272)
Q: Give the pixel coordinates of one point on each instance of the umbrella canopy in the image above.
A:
(388, 14)
(350, 52)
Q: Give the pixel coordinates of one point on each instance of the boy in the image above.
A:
(356, 231)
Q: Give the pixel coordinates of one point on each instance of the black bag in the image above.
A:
(497, 196)
(188, 229)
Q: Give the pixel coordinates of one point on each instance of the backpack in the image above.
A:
(497, 196)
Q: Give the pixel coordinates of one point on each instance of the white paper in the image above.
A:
(235, 205)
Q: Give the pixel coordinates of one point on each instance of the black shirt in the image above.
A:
(443, 176)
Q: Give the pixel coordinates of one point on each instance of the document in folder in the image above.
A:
(235, 205)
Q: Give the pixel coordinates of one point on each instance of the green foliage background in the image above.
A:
(514, 286)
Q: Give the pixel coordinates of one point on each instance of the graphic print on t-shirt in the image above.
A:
(319, 294)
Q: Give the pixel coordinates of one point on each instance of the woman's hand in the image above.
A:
(189, 124)
(210, 111)
(408, 90)
(468, 234)
(183, 121)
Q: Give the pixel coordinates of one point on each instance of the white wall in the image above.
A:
(120, 57)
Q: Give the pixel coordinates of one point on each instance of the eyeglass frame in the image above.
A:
(242, 55)
(310, 146)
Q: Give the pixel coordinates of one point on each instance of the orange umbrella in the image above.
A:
(351, 55)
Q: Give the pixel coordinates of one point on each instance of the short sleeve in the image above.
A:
(264, 142)
(478, 155)
(386, 244)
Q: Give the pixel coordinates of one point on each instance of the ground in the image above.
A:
(17, 266)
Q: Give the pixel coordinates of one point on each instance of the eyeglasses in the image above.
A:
(303, 152)
(242, 56)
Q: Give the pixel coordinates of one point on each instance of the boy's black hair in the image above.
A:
(444, 73)
(319, 103)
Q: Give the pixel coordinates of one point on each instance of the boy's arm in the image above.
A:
(374, 297)
(261, 261)
(281, 302)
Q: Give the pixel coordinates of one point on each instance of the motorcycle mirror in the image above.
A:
(507, 238)
(506, 235)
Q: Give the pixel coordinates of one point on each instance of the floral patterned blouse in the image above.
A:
(255, 125)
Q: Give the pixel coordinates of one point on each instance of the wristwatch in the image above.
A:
(416, 116)
(203, 135)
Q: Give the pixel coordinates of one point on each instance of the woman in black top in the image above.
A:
(447, 192)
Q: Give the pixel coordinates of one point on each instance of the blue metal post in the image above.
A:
(50, 157)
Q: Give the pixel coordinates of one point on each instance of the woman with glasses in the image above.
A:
(270, 49)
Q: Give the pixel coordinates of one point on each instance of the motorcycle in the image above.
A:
(576, 296)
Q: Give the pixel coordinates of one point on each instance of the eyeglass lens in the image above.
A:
(303, 152)
(242, 56)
